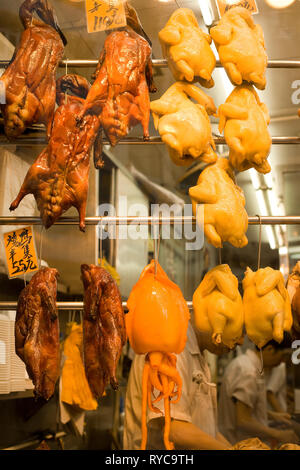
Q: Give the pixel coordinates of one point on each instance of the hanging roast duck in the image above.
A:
(29, 80)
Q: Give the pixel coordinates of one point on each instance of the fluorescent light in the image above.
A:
(269, 180)
(261, 202)
(283, 250)
(270, 235)
(254, 178)
(206, 11)
(272, 201)
(279, 3)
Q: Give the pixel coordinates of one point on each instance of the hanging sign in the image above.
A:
(20, 252)
(104, 14)
(225, 5)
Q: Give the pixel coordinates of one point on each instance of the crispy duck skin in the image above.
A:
(29, 80)
(37, 331)
(58, 178)
(104, 332)
(120, 95)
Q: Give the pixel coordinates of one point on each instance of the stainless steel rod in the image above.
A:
(34, 442)
(144, 220)
(66, 305)
(40, 139)
(273, 64)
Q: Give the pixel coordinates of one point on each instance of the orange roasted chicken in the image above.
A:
(184, 126)
(293, 288)
(244, 120)
(218, 307)
(241, 47)
(29, 80)
(267, 306)
(156, 325)
(187, 48)
(225, 217)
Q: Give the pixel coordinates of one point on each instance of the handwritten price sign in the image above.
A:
(225, 5)
(104, 14)
(20, 252)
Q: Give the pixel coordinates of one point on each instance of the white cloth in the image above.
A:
(276, 383)
(197, 405)
(242, 381)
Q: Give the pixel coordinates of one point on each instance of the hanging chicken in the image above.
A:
(293, 288)
(185, 126)
(37, 331)
(218, 307)
(156, 325)
(225, 217)
(187, 48)
(266, 305)
(29, 80)
(241, 47)
(119, 95)
(58, 178)
(104, 332)
(244, 120)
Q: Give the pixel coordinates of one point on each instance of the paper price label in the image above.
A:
(20, 252)
(104, 14)
(225, 5)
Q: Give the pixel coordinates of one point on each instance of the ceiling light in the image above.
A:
(279, 3)
(206, 11)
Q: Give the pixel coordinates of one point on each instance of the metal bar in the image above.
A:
(145, 220)
(34, 442)
(272, 64)
(154, 140)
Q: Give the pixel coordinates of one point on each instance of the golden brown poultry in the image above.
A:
(218, 307)
(253, 443)
(58, 178)
(244, 120)
(156, 325)
(293, 288)
(37, 331)
(241, 47)
(185, 126)
(104, 331)
(187, 48)
(29, 80)
(120, 95)
(225, 217)
(267, 306)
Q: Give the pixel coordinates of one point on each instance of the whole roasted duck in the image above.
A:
(58, 178)
(29, 80)
(104, 332)
(120, 95)
(37, 331)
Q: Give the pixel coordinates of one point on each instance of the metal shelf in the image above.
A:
(145, 220)
(272, 64)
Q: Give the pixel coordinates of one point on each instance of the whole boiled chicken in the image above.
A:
(29, 80)
(184, 126)
(241, 47)
(187, 48)
(104, 331)
(37, 331)
(156, 325)
(120, 95)
(58, 178)
(244, 120)
(218, 306)
(293, 288)
(225, 217)
(267, 306)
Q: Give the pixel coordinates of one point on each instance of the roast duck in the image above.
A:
(120, 95)
(58, 178)
(29, 80)
(293, 288)
(241, 47)
(267, 306)
(156, 325)
(225, 217)
(244, 120)
(187, 48)
(37, 331)
(184, 126)
(104, 332)
(218, 307)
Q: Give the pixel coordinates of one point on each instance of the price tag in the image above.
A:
(104, 14)
(225, 5)
(20, 252)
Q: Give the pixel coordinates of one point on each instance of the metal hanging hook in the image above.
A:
(220, 255)
(259, 244)
(101, 244)
(261, 362)
(66, 96)
(156, 248)
(41, 245)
